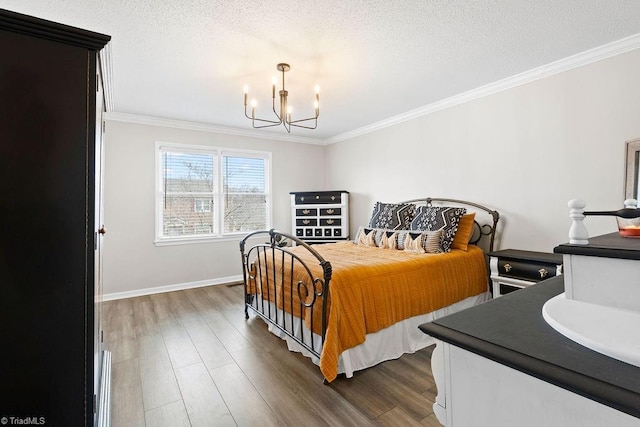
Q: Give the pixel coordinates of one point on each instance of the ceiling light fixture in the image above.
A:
(284, 114)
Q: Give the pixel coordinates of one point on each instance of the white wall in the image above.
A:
(132, 263)
(524, 152)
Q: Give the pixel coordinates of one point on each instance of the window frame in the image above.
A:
(219, 153)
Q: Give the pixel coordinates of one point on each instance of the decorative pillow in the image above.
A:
(430, 240)
(357, 234)
(360, 230)
(366, 237)
(395, 239)
(465, 231)
(402, 236)
(392, 216)
(413, 242)
(399, 237)
(382, 233)
(389, 240)
(445, 218)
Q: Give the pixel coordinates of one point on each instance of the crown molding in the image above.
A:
(581, 59)
(584, 58)
(204, 127)
(107, 76)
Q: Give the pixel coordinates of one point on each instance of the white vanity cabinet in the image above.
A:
(501, 364)
(476, 391)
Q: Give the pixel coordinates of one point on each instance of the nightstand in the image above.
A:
(513, 269)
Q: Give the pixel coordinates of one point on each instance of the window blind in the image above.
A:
(205, 191)
(188, 193)
(244, 193)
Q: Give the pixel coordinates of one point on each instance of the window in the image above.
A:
(205, 193)
(202, 205)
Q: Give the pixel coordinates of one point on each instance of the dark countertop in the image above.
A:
(510, 330)
(610, 245)
(519, 255)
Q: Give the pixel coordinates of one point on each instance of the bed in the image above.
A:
(353, 304)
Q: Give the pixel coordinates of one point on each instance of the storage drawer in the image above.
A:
(306, 222)
(330, 222)
(331, 211)
(320, 241)
(321, 197)
(507, 288)
(526, 270)
(513, 269)
(306, 212)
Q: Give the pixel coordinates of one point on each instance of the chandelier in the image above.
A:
(283, 115)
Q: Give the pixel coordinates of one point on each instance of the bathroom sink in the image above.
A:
(612, 331)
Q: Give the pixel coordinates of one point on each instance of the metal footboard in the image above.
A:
(287, 292)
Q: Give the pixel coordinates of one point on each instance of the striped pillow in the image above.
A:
(431, 241)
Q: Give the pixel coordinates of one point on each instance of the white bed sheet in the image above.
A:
(386, 344)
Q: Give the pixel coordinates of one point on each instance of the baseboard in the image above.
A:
(171, 288)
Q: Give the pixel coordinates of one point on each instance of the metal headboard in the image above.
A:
(480, 230)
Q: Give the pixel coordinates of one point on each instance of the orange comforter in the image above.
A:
(373, 288)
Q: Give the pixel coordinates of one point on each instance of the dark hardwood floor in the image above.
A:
(189, 358)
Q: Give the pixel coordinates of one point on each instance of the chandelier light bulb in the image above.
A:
(317, 89)
(246, 89)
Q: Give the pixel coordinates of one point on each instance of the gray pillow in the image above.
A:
(445, 218)
(392, 216)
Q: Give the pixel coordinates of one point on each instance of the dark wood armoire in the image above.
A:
(50, 240)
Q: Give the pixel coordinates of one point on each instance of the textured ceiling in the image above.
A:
(189, 60)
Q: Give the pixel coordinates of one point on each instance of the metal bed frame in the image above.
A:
(313, 289)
